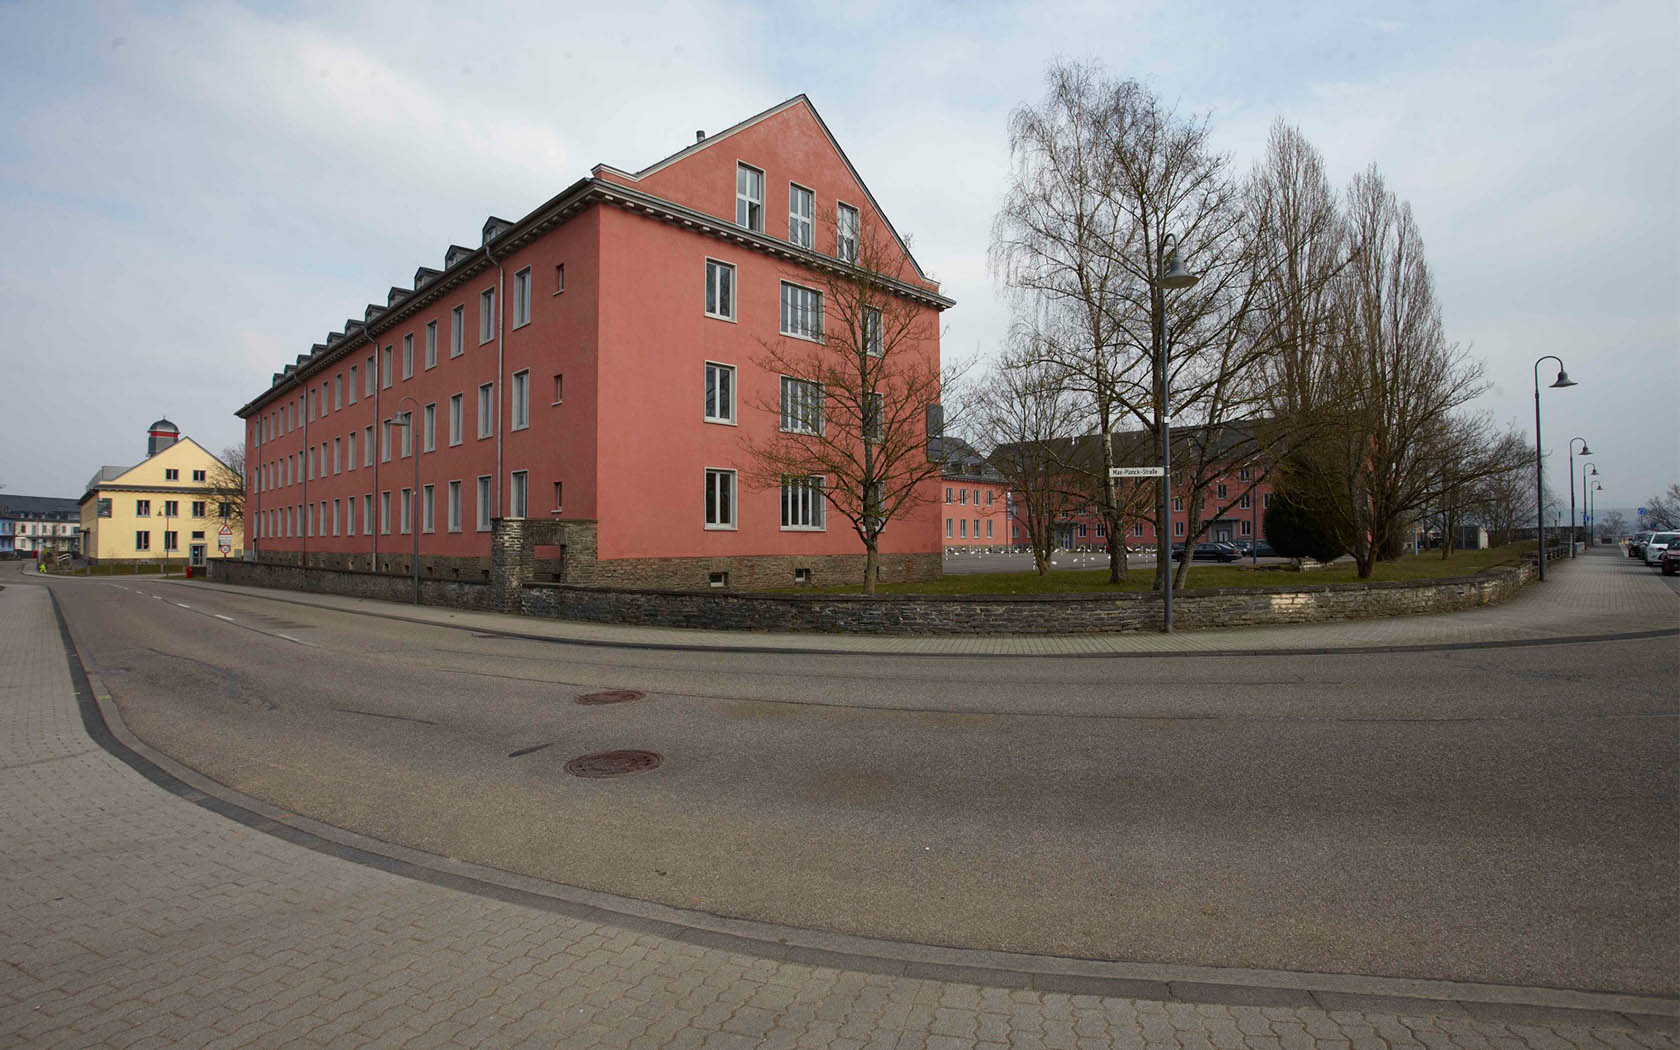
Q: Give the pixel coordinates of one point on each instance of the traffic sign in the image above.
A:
(1137, 472)
(224, 539)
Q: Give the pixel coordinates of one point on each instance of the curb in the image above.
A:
(1066, 975)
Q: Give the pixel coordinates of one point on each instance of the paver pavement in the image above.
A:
(135, 918)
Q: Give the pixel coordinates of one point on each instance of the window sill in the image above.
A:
(721, 422)
(720, 317)
(521, 324)
(723, 528)
(553, 404)
(522, 426)
(804, 528)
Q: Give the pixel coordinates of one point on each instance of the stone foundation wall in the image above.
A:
(383, 586)
(989, 614)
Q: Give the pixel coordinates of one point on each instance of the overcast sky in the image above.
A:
(194, 193)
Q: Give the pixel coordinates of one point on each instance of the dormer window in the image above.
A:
(749, 197)
(801, 211)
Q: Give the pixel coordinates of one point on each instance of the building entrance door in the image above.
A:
(1221, 532)
(196, 555)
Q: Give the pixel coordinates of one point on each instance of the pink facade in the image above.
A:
(585, 324)
(1233, 510)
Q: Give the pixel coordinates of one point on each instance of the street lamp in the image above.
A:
(406, 419)
(1169, 273)
(1592, 505)
(1563, 380)
(1584, 494)
(1585, 451)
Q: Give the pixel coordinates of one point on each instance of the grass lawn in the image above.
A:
(1202, 575)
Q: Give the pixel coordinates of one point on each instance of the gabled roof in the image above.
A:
(799, 99)
(104, 475)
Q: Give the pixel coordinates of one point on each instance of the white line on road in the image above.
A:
(288, 637)
(183, 605)
(219, 616)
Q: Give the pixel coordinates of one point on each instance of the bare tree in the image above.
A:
(1021, 416)
(1612, 526)
(1397, 384)
(849, 424)
(1103, 171)
(1663, 512)
(227, 477)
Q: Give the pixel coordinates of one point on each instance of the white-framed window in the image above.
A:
(802, 312)
(408, 421)
(720, 290)
(369, 377)
(338, 448)
(431, 344)
(483, 508)
(385, 441)
(1266, 501)
(486, 315)
(518, 493)
(428, 508)
(802, 502)
(874, 421)
(846, 233)
(428, 428)
(385, 512)
(559, 278)
(520, 395)
(522, 298)
(749, 197)
(142, 541)
(802, 207)
(408, 356)
(349, 515)
(802, 406)
(385, 368)
(405, 517)
(1245, 528)
(962, 497)
(559, 491)
(455, 419)
(559, 387)
(367, 445)
(1178, 503)
(872, 331)
(962, 528)
(720, 498)
(454, 506)
(367, 514)
(989, 529)
(950, 529)
(457, 331)
(335, 516)
(1178, 528)
(350, 451)
(486, 406)
(338, 391)
(1222, 490)
(950, 497)
(1137, 528)
(1245, 501)
(720, 393)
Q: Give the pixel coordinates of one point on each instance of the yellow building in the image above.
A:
(178, 504)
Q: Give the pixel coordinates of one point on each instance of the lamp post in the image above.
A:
(1585, 451)
(1563, 380)
(1592, 505)
(1585, 498)
(1169, 273)
(406, 420)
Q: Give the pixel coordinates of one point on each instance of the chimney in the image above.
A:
(699, 136)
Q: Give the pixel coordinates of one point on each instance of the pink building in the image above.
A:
(593, 365)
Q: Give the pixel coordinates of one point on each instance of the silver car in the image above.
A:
(1658, 543)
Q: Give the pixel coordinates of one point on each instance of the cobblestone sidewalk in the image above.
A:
(134, 918)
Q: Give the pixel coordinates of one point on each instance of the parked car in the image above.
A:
(1208, 552)
(1670, 560)
(1659, 542)
(1255, 548)
(1636, 544)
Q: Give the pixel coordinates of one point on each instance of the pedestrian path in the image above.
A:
(1592, 596)
(135, 918)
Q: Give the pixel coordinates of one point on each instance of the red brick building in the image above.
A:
(592, 365)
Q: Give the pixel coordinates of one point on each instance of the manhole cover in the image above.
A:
(611, 696)
(613, 763)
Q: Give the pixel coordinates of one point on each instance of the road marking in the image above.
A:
(219, 616)
(288, 637)
(183, 605)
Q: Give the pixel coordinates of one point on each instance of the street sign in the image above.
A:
(1136, 472)
(224, 539)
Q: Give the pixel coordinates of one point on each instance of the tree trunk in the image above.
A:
(871, 563)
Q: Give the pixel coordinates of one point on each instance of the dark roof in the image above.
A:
(164, 424)
(38, 507)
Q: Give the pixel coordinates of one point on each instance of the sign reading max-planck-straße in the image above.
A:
(1136, 472)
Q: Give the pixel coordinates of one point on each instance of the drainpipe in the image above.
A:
(303, 533)
(378, 437)
(501, 317)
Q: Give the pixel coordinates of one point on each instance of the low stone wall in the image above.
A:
(352, 583)
(1001, 614)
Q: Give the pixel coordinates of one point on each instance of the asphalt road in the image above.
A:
(1502, 815)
